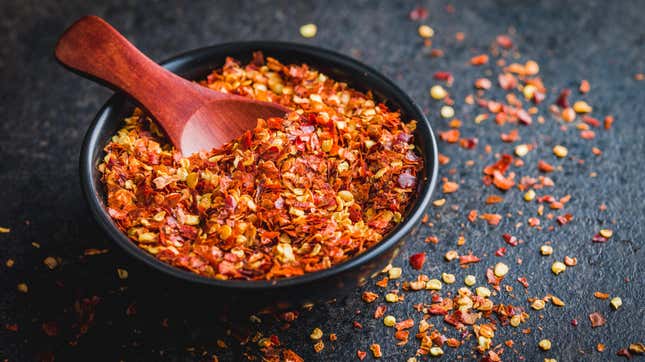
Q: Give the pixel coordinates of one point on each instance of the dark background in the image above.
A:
(45, 111)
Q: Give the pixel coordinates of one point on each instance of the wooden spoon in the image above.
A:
(194, 117)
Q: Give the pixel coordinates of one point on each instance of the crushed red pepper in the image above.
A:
(294, 195)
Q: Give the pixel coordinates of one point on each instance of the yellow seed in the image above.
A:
(436, 351)
(538, 304)
(500, 270)
(582, 107)
(389, 321)
(225, 232)
(425, 31)
(346, 196)
(568, 114)
(23, 288)
(451, 255)
(438, 92)
(326, 145)
(191, 179)
(545, 344)
(550, 360)
(546, 250)
(9, 263)
(470, 280)
(448, 278)
(606, 233)
(447, 112)
(558, 267)
(316, 334)
(616, 302)
(308, 30)
(521, 150)
(560, 151)
(557, 301)
(529, 195)
(391, 298)
(515, 320)
(122, 273)
(50, 262)
(529, 91)
(439, 202)
(482, 292)
(191, 220)
(433, 284)
(395, 273)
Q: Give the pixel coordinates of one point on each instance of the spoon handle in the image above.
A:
(96, 49)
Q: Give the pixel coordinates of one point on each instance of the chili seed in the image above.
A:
(560, 151)
(50, 262)
(538, 304)
(545, 344)
(436, 351)
(521, 150)
(616, 302)
(470, 280)
(391, 298)
(308, 30)
(546, 250)
(389, 321)
(500, 270)
(122, 273)
(606, 233)
(23, 288)
(582, 107)
(316, 334)
(568, 114)
(529, 195)
(438, 92)
(447, 112)
(558, 267)
(448, 278)
(395, 273)
(451, 255)
(482, 292)
(433, 284)
(425, 31)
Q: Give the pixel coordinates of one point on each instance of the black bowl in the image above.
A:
(312, 287)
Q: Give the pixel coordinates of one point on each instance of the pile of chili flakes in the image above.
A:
(294, 195)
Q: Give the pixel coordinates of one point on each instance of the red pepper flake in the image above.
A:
(376, 350)
(480, 59)
(512, 136)
(472, 215)
(601, 295)
(443, 159)
(12, 327)
(444, 76)
(494, 199)
(468, 143)
(609, 121)
(450, 136)
(563, 98)
(534, 221)
(574, 322)
(450, 187)
(418, 13)
(468, 259)
(524, 117)
(593, 122)
(564, 219)
(492, 219)
(597, 319)
(587, 134)
(523, 281)
(483, 83)
(510, 239)
(500, 252)
(369, 297)
(380, 311)
(599, 239)
(584, 86)
(361, 354)
(357, 325)
(50, 328)
(504, 41)
(406, 324)
(623, 352)
(417, 260)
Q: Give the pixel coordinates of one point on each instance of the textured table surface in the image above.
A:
(45, 111)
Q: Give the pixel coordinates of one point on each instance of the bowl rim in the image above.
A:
(92, 194)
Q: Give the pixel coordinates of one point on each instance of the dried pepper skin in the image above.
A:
(294, 195)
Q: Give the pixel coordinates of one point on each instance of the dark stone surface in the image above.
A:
(45, 111)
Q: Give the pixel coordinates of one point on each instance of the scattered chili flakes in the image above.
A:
(468, 259)
(504, 41)
(450, 187)
(369, 297)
